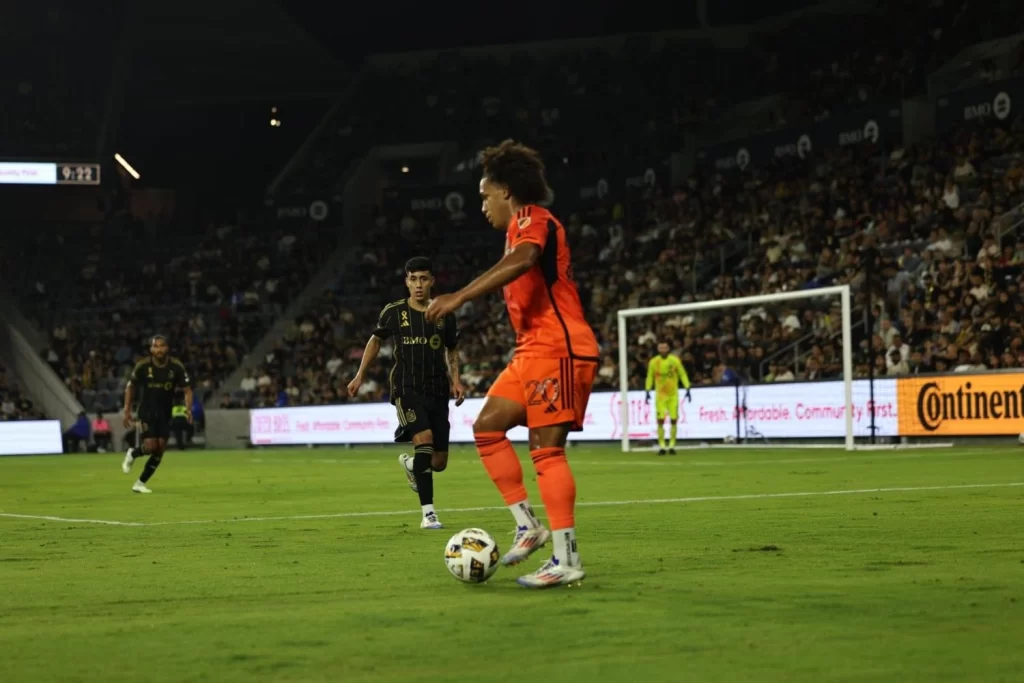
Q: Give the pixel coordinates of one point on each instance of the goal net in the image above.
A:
(776, 369)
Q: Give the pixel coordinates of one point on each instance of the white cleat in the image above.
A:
(552, 574)
(430, 521)
(527, 542)
(141, 488)
(129, 458)
(406, 462)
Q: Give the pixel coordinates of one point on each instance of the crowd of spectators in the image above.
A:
(937, 222)
(927, 214)
(15, 405)
(932, 235)
(100, 294)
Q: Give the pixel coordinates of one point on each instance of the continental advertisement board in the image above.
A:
(961, 405)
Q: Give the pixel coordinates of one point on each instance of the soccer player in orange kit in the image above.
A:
(547, 384)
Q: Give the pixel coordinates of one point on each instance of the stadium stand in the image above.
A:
(104, 292)
(948, 274)
(14, 405)
(794, 224)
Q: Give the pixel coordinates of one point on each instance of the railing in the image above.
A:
(857, 320)
(1009, 222)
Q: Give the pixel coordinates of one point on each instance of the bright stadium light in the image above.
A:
(405, 169)
(126, 166)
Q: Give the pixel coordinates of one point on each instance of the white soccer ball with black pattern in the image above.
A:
(472, 555)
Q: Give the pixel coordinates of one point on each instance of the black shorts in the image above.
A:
(155, 426)
(418, 414)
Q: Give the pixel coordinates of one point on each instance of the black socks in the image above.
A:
(151, 465)
(421, 461)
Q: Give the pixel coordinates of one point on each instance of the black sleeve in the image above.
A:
(385, 324)
(184, 380)
(137, 376)
(451, 331)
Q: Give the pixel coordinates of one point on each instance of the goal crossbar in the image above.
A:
(842, 291)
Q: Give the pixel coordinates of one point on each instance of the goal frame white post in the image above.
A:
(842, 291)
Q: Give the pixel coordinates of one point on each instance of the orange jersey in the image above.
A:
(543, 303)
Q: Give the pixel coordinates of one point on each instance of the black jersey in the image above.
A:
(420, 348)
(155, 385)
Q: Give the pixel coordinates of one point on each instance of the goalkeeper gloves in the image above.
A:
(688, 397)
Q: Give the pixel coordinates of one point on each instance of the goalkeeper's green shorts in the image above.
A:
(668, 406)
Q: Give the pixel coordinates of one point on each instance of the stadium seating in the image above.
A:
(13, 404)
(100, 292)
(794, 224)
(807, 225)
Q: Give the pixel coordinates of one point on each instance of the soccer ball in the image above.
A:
(472, 555)
(1020, 438)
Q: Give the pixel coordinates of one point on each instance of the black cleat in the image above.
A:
(661, 452)
(671, 451)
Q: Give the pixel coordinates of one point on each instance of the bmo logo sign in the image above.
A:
(869, 133)
(1000, 107)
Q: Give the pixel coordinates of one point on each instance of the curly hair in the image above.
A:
(520, 169)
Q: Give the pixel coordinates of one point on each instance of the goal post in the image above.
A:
(842, 425)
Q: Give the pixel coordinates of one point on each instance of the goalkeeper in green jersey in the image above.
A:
(664, 373)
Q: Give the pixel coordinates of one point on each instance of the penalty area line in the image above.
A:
(585, 504)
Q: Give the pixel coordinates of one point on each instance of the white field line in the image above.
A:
(602, 503)
(681, 461)
(48, 518)
(874, 457)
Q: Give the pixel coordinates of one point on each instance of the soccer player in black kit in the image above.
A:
(154, 381)
(424, 377)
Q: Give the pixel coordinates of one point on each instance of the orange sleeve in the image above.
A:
(532, 230)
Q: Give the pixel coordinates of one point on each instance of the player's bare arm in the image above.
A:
(188, 403)
(513, 265)
(369, 355)
(451, 356)
(128, 404)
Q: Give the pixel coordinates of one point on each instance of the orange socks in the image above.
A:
(501, 462)
(557, 486)
(554, 478)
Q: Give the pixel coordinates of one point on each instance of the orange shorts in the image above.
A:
(553, 390)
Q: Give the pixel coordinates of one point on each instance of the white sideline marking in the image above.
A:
(676, 461)
(47, 518)
(683, 461)
(599, 503)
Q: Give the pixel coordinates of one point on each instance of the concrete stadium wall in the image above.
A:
(227, 428)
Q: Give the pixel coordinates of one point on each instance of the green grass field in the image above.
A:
(715, 565)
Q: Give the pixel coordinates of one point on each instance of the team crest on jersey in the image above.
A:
(523, 222)
(150, 375)
(405, 319)
(171, 374)
(410, 416)
(439, 325)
